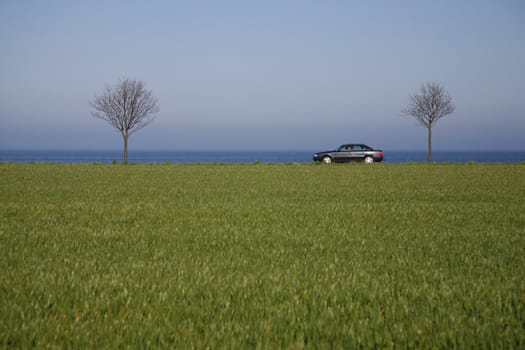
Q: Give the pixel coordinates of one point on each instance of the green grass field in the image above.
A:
(262, 256)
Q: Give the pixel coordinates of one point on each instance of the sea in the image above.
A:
(283, 156)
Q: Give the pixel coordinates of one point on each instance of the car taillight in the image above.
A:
(381, 153)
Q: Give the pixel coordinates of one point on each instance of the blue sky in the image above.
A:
(263, 74)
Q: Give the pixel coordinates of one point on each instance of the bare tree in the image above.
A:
(430, 105)
(127, 106)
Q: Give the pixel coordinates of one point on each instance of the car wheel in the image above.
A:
(327, 160)
(369, 160)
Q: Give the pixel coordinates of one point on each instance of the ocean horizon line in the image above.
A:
(244, 156)
(243, 150)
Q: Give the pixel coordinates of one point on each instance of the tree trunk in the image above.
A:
(125, 135)
(430, 143)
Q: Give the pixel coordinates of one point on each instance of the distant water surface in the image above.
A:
(395, 156)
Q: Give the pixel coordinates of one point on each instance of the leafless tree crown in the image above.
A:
(128, 106)
(430, 105)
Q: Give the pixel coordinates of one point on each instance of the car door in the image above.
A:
(357, 153)
(343, 154)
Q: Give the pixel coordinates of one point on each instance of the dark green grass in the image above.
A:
(262, 256)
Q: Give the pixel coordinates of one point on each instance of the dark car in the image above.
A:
(350, 152)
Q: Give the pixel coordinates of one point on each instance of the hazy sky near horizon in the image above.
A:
(263, 74)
